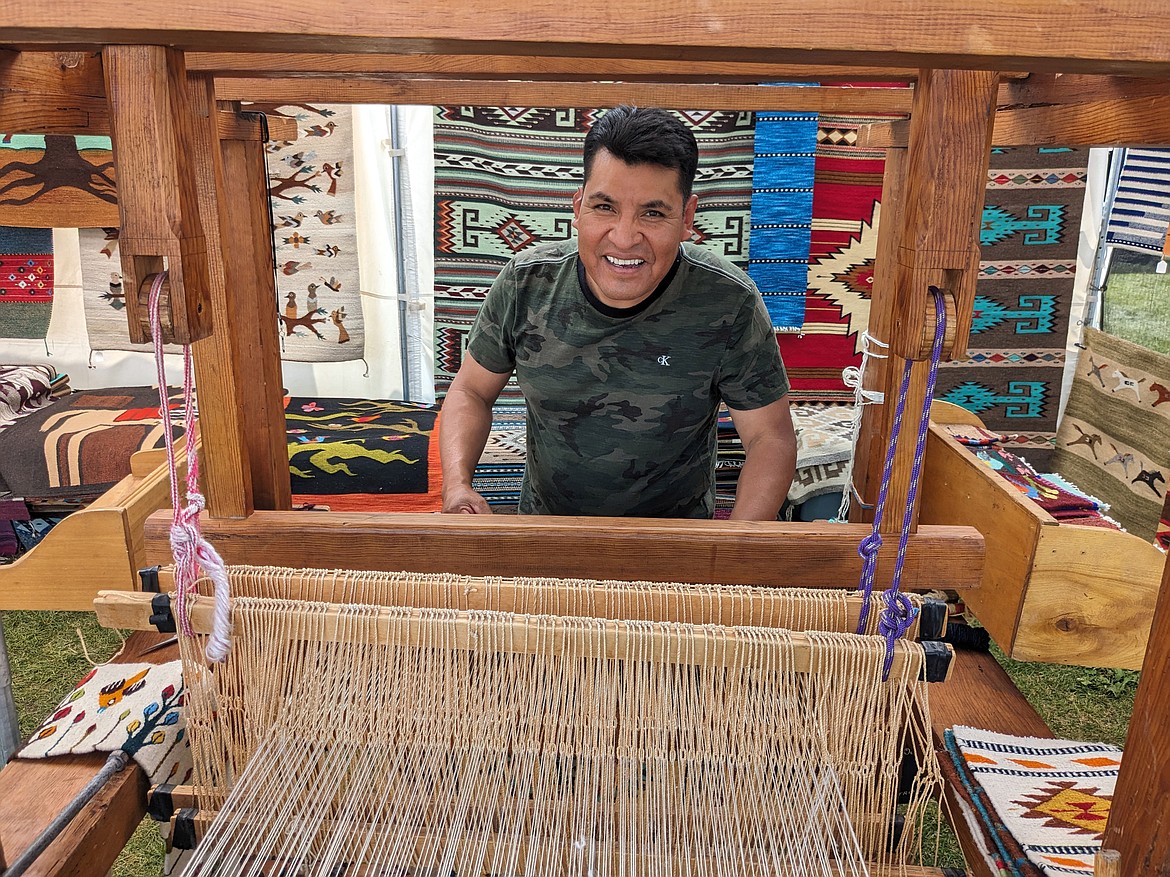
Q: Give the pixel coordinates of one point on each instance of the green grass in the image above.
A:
(47, 660)
(1137, 302)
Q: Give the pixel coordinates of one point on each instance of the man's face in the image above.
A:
(630, 220)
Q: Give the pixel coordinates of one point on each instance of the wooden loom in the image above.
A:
(933, 190)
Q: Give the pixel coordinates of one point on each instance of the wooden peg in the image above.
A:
(1107, 864)
(947, 160)
(151, 128)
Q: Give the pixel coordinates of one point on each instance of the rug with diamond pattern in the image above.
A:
(1053, 796)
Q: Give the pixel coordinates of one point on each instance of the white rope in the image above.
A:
(854, 378)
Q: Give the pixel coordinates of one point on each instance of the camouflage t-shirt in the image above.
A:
(622, 403)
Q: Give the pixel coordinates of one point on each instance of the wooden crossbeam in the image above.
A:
(1112, 36)
(481, 92)
(560, 67)
(810, 555)
(1138, 121)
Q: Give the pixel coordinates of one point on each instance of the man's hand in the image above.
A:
(462, 500)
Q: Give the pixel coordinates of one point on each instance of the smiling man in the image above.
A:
(624, 342)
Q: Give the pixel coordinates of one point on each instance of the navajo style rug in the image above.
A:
(1051, 797)
(1141, 211)
(504, 181)
(26, 282)
(846, 207)
(1014, 368)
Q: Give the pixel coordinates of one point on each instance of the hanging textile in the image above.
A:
(781, 215)
(26, 282)
(1028, 241)
(505, 178)
(1140, 214)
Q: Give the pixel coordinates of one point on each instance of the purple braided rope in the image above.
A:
(899, 613)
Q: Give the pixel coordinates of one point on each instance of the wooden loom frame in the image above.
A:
(934, 179)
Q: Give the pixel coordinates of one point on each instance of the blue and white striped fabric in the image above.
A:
(781, 218)
(1141, 211)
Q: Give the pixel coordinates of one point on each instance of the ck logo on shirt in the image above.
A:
(664, 359)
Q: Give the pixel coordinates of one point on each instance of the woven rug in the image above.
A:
(1052, 796)
(781, 213)
(311, 189)
(1014, 368)
(77, 447)
(43, 177)
(364, 454)
(842, 249)
(1114, 440)
(1141, 211)
(26, 282)
(504, 181)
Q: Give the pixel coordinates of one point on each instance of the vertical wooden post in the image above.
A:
(946, 182)
(1139, 818)
(245, 455)
(151, 128)
(932, 200)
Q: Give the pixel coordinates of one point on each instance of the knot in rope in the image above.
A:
(898, 615)
(869, 546)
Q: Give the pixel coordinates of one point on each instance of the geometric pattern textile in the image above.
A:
(1114, 440)
(311, 195)
(1053, 796)
(1012, 374)
(26, 282)
(781, 214)
(133, 707)
(504, 181)
(847, 191)
(1141, 210)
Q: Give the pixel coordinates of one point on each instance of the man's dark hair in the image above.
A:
(645, 135)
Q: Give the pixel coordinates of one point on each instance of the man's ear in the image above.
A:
(577, 196)
(688, 229)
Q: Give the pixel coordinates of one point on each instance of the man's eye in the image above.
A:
(654, 214)
(603, 207)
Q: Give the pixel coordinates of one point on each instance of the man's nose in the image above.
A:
(625, 231)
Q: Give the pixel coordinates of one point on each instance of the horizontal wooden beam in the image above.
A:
(809, 555)
(477, 92)
(1111, 36)
(1071, 88)
(284, 64)
(1143, 121)
(47, 113)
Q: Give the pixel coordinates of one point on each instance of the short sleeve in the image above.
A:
(492, 338)
(752, 373)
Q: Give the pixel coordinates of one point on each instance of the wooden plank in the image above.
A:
(34, 791)
(1139, 121)
(817, 554)
(561, 67)
(946, 181)
(1113, 36)
(1139, 820)
(1089, 598)
(246, 344)
(1071, 88)
(53, 72)
(980, 694)
(958, 489)
(479, 92)
(151, 126)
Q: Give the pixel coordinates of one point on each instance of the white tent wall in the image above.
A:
(380, 375)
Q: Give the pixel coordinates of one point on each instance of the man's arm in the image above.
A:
(769, 441)
(463, 432)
